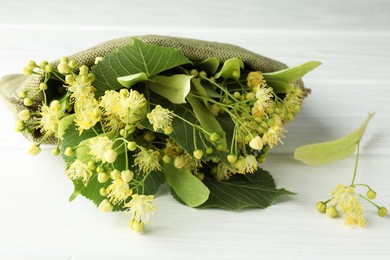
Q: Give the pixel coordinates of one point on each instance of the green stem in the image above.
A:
(373, 203)
(356, 164)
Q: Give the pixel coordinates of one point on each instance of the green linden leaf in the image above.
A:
(209, 65)
(64, 123)
(257, 190)
(130, 80)
(327, 152)
(188, 188)
(290, 75)
(280, 87)
(231, 69)
(208, 121)
(174, 88)
(137, 57)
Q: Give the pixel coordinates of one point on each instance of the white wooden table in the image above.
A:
(350, 37)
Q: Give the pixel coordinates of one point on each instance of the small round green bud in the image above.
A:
(23, 93)
(215, 109)
(166, 158)
(55, 104)
(42, 64)
(99, 169)
(149, 136)
(102, 177)
(24, 115)
(202, 74)
(31, 64)
(34, 149)
(331, 212)
(27, 131)
(103, 192)
(200, 175)
(49, 68)
(198, 154)
(382, 212)
(27, 102)
(72, 64)
(137, 226)
(115, 174)
(209, 150)
(42, 86)
(194, 72)
(84, 70)
(371, 194)
(64, 59)
(236, 74)
(132, 146)
(168, 130)
(214, 137)
(232, 158)
(110, 156)
(105, 206)
(91, 77)
(236, 95)
(127, 175)
(70, 79)
(321, 207)
(19, 125)
(250, 96)
(55, 151)
(68, 151)
(27, 71)
(63, 68)
(270, 122)
(91, 165)
(122, 132)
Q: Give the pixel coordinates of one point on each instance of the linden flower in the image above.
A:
(246, 165)
(264, 101)
(50, 117)
(101, 149)
(255, 79)
(79, 170)
(87, 113)
(256, 143)
(132, 106)
(118, 191)
(80, 86)
(141, 208)
(346, 198)
(160, 118)
(273, 135)
(147, 160)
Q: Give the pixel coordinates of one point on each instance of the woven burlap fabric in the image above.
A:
(194, 50)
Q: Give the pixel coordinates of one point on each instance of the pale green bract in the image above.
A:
(327, 152)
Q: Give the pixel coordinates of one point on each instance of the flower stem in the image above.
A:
(356, 164)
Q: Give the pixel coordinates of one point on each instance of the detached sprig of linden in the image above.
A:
(132, 126)
(343, 197)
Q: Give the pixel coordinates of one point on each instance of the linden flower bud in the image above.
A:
(27, 102)
(256, 143)
(132, 146)
(105, 206)
(102, 177)
(43, 64)
(168, 130)
(209, 150)
(84, 70)
(382, 212)
(214, 137)
(127, 175)
(331, 212)
(371, 194)
(321, 206)
(34, 149)
(24, 115)
(166, 158)
(55, 151)
(232, 158)
(115, 174)
(19, 125)
(23, 93)
(103, 192)
(27, 71)
(72, 64)
(137, 226)
(49, 68)
(68, 151)
(198, 154)
(63, 67)
(42, 86)
(110, 156)
(179, 162)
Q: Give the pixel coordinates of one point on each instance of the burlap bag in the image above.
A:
(194, 50)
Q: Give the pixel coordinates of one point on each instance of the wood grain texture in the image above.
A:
(350, 38)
